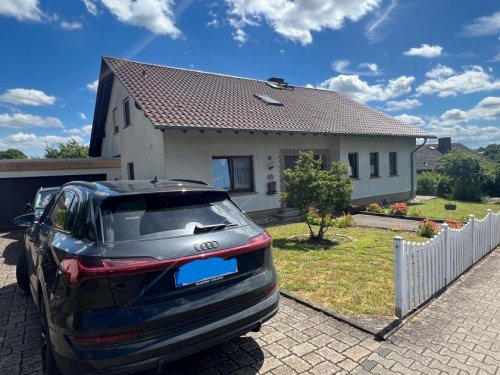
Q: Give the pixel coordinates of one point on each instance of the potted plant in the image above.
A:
(450, 206)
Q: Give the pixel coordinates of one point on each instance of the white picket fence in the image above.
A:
(421, 270)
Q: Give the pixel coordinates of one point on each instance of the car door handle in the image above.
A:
(40, 250)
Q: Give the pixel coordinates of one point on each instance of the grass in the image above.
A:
(434, 209)
(353, 277)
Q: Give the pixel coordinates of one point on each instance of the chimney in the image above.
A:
(444, 145)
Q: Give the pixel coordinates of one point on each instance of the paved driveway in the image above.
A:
(459, 332)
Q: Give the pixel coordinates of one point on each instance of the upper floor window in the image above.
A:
(393, 163)
(353, 165)
(126, 112)
(116, 128)
(233, 173)
(374, 164)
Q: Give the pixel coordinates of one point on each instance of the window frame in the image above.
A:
(377, 165)
(126, 113)
(231, 172)
(395, 166)
(116, 128)
(354, 176)
(130, 171)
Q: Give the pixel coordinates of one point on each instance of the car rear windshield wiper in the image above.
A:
(211, 228)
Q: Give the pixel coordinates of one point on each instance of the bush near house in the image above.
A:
(376, 208)
(399, 209)
(427, 228)
(345, 221)
(427, 182)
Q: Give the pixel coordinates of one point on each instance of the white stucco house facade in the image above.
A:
(240, 134)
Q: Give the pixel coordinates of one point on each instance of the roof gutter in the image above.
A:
(412, 166)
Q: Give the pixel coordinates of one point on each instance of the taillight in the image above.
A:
(261, 241)
(104, 340)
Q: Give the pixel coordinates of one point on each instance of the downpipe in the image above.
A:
(413, 174)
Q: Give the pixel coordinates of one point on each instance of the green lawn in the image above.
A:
(355, 277)
(435, 209)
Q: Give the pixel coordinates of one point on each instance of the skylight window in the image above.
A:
(274, 85)
(267, 99)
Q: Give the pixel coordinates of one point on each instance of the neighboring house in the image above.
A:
(429, 155)
(240, 134)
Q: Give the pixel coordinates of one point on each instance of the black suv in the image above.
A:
(130, 275)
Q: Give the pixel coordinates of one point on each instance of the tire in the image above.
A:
(49, 365)
(22, 276)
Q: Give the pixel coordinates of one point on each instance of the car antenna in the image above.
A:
(154, 180)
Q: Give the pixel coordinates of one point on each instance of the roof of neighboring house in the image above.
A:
(429, 156)
(189, 99)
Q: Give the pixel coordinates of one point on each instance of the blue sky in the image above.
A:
(434, 64)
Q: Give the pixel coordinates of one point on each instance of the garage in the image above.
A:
(20, 180)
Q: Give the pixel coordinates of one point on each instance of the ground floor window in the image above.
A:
(130, 171)
(233, 173)
(374, 164)
(353, 165)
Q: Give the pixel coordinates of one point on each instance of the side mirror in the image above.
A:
(27, 208)
(25, 220)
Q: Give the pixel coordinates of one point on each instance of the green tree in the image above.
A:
(327, 191)
(12, 153)
(427, 182)
(467, 173)
(71, 149)
(492, 152)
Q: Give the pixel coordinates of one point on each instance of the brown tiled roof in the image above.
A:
(184, 98)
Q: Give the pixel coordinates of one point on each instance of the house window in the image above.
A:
(130, 171)
(353, 165)
(393, 163)
(126, 112)
(233, 173)
(374, 164)
(116, 128)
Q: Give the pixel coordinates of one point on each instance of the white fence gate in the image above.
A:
(423, 269)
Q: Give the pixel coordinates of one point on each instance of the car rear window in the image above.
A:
(151, 216)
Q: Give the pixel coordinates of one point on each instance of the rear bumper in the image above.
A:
(144, 355)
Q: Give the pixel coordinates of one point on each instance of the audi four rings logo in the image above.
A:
(211, 245)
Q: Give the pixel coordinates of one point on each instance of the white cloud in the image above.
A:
(92, 86)
(22, 10)
(425, 50)
(82, 115)
(27, 97)
(75, 25)
(32, 144)
(295, 20)
(470, 134)
(91, 7)
(155, 15)
(374, 30)
(214, 21)
(240, 36)
(487, 25)
(440, 71)
(25, 120)
(488, 109)
(454, 115)
(84, 131)
(368, 69)
(412, 120)
(496, 58)
(393, 105)
(359, 90)
(473, 79)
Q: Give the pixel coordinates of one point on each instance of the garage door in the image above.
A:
(16, 192)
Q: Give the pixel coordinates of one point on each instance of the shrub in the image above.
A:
(444, 187)
(427, 183)
(345, 221)
(413, 212)
(455, 224)
(399, 209)
(374, 207)
(427, 228)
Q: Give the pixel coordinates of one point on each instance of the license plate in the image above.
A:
(204, 271)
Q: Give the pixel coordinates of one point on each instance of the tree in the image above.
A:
(326, 191)
(12, 153)
(492, 152)
(427, 182)
(467, 173)
(68, 150)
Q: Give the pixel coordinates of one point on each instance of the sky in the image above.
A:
(434, 64)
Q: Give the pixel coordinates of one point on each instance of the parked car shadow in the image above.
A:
(20, 328)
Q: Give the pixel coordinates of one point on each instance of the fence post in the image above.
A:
(490, 229)
(472, 221)
(400, 289)
(447, 253)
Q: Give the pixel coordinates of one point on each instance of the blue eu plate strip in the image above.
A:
(204, 271)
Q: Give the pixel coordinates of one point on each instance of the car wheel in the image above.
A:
(22, 272)
(49, 365)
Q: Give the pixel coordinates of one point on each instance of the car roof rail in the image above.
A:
(191, 181)
(85, 184)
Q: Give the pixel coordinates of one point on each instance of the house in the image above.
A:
(240, 134)
(429, 155)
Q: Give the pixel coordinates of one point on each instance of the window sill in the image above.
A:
(374, 177)
(355, 178)
(393, 175)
